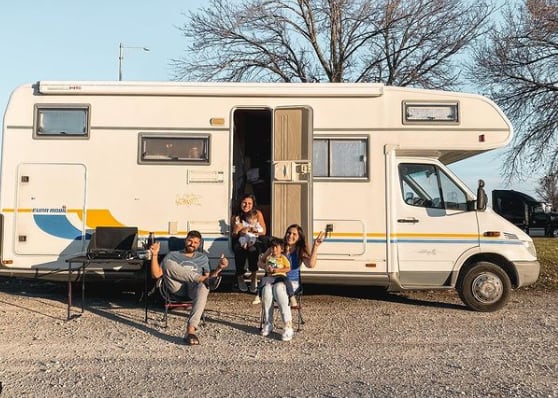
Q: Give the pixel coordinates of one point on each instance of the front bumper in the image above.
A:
(527, 272)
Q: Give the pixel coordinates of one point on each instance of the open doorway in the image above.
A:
(252, 140)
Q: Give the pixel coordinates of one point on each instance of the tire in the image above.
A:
(484, 287)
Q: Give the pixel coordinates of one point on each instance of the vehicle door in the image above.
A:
(292, 169)
(431, 227)
(49, 216)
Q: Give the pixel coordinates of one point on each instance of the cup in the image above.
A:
(144, 254)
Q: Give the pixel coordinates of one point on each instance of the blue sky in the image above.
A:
(79, 40)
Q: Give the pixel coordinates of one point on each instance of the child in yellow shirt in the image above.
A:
(276, 267)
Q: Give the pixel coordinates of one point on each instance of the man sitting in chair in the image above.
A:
(186, 274)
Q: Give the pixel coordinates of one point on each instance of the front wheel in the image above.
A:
(484, 287)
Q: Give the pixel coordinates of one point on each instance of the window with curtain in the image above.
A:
(340, 158)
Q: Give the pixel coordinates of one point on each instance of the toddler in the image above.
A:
(254, 229)
(276, 268)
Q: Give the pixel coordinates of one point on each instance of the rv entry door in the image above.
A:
(292, 169)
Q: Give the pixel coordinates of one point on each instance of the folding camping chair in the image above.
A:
(171, 301)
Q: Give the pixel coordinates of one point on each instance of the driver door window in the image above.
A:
(425, 185)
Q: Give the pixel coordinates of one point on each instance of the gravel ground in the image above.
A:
(355, 342)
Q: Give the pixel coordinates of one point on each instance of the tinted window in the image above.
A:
(180, 148)
(61, 122)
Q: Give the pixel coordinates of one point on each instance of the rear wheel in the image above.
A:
(484, 287)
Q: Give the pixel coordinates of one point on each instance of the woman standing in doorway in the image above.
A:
(246, 205)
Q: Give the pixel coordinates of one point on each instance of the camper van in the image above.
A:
(365, 163)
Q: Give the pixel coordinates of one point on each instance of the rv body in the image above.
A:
(365, 163)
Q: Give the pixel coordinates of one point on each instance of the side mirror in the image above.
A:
(482, 199)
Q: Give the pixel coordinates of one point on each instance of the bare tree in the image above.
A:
(548, 190)
(518, 67)
(397, 42)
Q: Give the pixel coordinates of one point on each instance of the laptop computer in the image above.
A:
(113, 243)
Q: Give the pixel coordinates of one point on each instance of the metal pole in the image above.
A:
(120, 56)
(121, 48)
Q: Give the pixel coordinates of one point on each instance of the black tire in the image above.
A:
(484, 287)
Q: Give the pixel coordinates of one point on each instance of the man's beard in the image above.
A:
(190, 249)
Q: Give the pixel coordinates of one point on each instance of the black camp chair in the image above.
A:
(171, 301)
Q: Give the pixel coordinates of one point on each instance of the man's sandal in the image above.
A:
(191, 339)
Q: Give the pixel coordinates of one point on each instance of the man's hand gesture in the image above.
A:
(223, 262)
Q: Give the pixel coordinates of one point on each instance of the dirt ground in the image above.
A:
(355, 342)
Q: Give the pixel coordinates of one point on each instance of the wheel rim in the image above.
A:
(487, 288)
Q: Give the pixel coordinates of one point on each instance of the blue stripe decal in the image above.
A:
(501, 242)
(393, 241)
(57, 225)
(459, 241)
(339, 240)
(165, 239)
(426, 240)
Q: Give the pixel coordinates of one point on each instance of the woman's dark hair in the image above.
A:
(301, 247)
(246, 196)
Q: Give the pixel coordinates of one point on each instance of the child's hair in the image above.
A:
(277, 242)
(249, 215)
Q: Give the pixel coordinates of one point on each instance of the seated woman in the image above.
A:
(296, 251)
(238, 230)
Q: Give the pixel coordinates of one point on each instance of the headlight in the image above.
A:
(531, 248)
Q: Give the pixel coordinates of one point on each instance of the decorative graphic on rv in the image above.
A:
(57, 221)
(49, 210)
(188, 199)
(57, 225)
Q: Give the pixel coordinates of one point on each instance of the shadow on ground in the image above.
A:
(128, 295)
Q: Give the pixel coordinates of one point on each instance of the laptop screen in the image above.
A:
(116, 238)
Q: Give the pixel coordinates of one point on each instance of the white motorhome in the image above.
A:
(366, 163)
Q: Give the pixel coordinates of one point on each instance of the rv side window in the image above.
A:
(429, 113)
(425, 185)
(175, 148)
(340, 158)
(61, 122)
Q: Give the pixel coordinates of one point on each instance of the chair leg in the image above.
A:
(300, 321)
(166, 315)
(300, 318)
